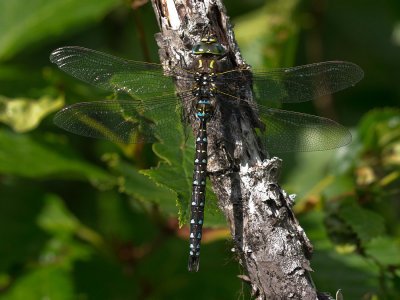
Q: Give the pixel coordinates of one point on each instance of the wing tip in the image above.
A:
(358, 73)
(58, 54)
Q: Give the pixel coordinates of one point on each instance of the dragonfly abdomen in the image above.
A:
(198, 196)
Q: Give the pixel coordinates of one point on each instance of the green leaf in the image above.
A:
(63, 249)
(173, 174)
(55, 217)
(139, 186)
(268, 36)
(310, 169)
(23, 114)
(351, 272)
(64, 252)
(42, 283)
(176, 172)
(25, 23)
(380, 128)
(178, 176)
(385, 250)
(365, 223)
(23, 155)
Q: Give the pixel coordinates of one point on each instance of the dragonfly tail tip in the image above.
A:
(193, 264)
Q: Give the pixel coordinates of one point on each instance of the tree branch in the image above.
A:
(272, 247)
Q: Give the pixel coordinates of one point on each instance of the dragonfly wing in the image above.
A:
(123, 121)
(287, 131)
(138, 79)
(291, 85)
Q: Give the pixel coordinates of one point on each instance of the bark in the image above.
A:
(269, 242)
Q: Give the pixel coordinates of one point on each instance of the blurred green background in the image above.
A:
(77, 219)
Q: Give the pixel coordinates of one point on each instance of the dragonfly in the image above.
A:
(151, 88)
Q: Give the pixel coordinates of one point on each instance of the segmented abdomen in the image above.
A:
(198, 196)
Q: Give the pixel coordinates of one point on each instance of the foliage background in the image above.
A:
(77, 220)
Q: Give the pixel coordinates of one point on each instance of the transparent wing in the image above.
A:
(123, 121)
(140, 121)
(292, 85)
(144, 80)
(287, 131)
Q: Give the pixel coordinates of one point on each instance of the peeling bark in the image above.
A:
(270, 244)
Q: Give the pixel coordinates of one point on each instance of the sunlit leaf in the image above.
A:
(23, 114)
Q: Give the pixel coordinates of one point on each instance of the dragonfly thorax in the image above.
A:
(204, 91)
(204, 86)
(208, 46)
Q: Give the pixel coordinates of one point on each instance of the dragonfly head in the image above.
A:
(208, 45)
